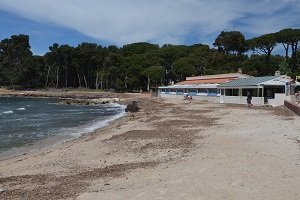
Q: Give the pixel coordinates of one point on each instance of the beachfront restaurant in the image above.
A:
(199, 87)
(267, 90)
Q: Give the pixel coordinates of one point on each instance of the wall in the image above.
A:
(257, 101)
(295, 107)
(278, 99)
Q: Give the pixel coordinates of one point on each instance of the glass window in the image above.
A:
(222, 91)
(235, 92)
(202, 90)
(260, 92)
(180, 91)
(228, 92)
(256, 92)
(192, 90)
(212, 91)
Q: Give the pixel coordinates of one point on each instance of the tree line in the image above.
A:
(143, 65)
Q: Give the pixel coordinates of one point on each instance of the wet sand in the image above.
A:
(170, 149)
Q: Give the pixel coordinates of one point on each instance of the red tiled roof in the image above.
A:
(217, 76)
(207, 81)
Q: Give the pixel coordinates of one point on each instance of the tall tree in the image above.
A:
(184, 67)
(231, 42)
(154, 74)
(264, 44)
(294, 42)
(15, 52)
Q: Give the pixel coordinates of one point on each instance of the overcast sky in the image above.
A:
(120, 22)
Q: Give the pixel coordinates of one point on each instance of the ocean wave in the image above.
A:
(90, 127)
(8, 112)
(21, 108)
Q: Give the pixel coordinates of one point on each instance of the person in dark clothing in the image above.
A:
(249, 99)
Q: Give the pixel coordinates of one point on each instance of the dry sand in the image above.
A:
(171, 149)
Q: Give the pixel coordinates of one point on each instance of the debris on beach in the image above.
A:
(133, 107)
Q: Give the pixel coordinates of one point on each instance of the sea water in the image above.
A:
(24, 121)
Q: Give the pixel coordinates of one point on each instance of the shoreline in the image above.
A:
(53, 141)
(170, 149)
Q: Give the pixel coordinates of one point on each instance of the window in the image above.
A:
(180, 90)
(260, 92)
(212, 91)
(228, 92)
(256, 92)
(192, 90)
(201, 90)
(235, 92)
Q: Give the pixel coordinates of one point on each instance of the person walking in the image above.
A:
(249, 99)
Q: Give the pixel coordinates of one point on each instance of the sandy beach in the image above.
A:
(170, 149)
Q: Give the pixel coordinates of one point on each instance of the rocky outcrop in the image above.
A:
(91, 101)
(133, 107)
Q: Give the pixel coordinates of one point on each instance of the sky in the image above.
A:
(120, 22)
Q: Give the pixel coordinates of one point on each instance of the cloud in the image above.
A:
(159, 21)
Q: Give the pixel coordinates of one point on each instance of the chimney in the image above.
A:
(240, 70)
(277, 73)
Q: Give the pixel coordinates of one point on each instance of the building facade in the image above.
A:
(267, 90)
(200, 87)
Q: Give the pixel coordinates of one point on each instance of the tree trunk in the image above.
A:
(12, 84)
(97, 76)
(47, 79)
(86, 85)
(294, 56)
(268, 56)
(79, 79)
(148, 84)
(57, 77)
(67, 76)
(101, 82)
(286, 51)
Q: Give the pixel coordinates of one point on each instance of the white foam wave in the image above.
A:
(8, 112)
(98, 124)
(21, 108)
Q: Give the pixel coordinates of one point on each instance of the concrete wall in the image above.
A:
(279, 99)
(257, 101)
(293, 107)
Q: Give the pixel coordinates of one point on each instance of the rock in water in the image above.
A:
(133, 107)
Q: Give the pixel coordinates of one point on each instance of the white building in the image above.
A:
(267, 90)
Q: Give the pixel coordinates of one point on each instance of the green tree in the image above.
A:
(231, 42)
(183, 68)
(155, 75)
(264, 44)
(284, 68)
(15, 54)
(290, 38)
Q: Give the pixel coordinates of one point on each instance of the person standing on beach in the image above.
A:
(249, 99)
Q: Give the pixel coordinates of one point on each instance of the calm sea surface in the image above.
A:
(24, 121)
